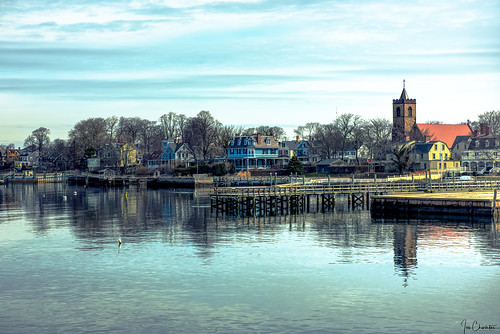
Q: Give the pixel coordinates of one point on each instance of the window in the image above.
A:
(433, 155)
(398, 112)
(268, 141)
(497, 142)
(442, 146)
(446, 156)
(477, 143)
(410, 111)
(486, 143)
(422, 156)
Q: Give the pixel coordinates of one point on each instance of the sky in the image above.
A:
(248, 62)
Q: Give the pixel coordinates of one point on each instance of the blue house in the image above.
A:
(253, 152)
(175, 153)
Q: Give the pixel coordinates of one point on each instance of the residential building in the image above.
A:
(118, 155)
(434, 156)
(176, 153)
(306, 152)
(93, 164)
(482, 153)
(154, 160)
(255, 151)
(287, 149)
(460, 145)
(27, 160)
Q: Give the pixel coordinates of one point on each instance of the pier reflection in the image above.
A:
(97, 217)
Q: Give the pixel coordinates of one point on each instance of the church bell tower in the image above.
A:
(404, 116)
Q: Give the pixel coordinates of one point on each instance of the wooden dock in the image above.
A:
(476, 203)
(407, 196)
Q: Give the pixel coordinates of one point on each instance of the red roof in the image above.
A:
(444, 132)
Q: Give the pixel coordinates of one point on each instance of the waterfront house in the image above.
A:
(255, 151)
(434, 156)
(306, 152)
(11, 156)
(93, 163)
(460, 145)
(482, 153)
(176, 153)
(287, 149)
(118, 155)
(154, 160)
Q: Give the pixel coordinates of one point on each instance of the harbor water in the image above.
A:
(181, 269)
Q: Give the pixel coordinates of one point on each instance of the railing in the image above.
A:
(311, 189)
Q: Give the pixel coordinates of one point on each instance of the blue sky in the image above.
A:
(254, 62)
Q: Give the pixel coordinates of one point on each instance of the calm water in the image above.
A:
(180, 270)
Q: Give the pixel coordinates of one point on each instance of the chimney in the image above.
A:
(258, 138)
(297, 138)
(484, 129)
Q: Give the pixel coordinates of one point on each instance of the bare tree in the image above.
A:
(359, 137)
(39, 138)
(225, 134)
(130, 128)
(91, 132)
(307, 130)
(346, 123)
(327, 140)
(150, 136)
(111, 126)
(492, 118)
(201, 134)
(277, 132)
(378, 137)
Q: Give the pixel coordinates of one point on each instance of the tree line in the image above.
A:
(208, 138)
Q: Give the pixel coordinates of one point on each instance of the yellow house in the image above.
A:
(434, 156)
(128, 156)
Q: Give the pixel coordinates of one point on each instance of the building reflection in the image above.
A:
(405, 250)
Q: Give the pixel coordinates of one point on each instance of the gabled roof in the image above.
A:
(291, 144)
(460, 139)
(446, 133)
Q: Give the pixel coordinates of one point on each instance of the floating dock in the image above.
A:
(473, 203)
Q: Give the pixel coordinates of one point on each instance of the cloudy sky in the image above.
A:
(249, 62)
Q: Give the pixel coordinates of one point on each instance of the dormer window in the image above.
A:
(477, 143)
(268, 141)
(486, 143)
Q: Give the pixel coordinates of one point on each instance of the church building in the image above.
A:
(405, 126)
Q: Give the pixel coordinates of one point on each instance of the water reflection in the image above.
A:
(179, 261)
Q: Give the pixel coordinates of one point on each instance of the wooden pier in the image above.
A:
(293, 199)
(478, 203)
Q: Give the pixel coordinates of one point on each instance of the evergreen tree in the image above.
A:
(295, 166)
